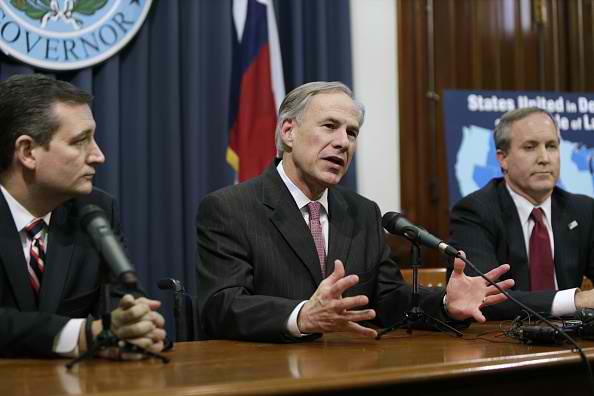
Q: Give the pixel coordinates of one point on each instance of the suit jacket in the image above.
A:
(70, 288)
(486, 225)
(258, 259)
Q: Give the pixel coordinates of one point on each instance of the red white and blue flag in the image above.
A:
(257, 87)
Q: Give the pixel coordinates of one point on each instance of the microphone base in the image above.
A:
(416, 318)
(106, 339)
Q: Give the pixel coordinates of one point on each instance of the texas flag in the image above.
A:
(257, 87)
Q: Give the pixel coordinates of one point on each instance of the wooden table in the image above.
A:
(400, 364)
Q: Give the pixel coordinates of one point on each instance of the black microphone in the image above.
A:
(397, 224)
(94, 221)
(181, 310)
(171, 284)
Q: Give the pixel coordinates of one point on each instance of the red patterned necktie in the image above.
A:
(36, 264)
(542, 267)
(318, 236)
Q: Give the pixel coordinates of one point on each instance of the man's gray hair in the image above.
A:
(502, 132)
(294, 104)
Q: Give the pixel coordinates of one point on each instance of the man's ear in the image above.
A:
(502, 159)
(24, 153)
(288, 132)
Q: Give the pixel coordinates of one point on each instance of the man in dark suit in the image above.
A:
(289, 255)
(496, 224)
(50, 274)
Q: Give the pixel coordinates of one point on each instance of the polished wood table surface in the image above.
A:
(420, 363)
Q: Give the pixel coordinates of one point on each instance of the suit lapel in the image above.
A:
(287, 218)
(13, 260)
(59, 254)
(515, 237)
(341, 230)
(566, 241)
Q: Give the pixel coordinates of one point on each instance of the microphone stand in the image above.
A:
(128, 284)
(184, 331)
(416, 317)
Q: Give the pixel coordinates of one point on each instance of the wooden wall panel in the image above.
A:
(470, 44)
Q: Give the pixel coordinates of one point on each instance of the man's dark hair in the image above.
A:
(26, 108)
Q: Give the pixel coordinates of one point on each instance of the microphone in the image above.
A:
(181, 310)
(94, 221)
(171, 284)
(395, 223)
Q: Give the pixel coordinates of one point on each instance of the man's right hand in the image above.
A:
(327, 311)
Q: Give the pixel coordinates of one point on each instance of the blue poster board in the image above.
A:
(471, 116)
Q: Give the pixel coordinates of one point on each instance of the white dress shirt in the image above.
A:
(301, 200)
(564, 300)
(66, 342)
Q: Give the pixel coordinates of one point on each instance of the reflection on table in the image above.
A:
(422, 363)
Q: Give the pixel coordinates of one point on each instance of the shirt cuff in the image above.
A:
(66, 342)
(563, 303)
(292, 327)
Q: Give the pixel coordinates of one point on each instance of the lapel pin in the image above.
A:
(572, 225)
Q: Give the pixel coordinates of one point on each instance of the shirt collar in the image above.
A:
(21, 216)
(525, 207)
(300, 198)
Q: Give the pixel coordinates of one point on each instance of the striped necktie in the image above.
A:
(36, 265)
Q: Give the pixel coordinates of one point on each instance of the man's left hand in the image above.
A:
(466, 295)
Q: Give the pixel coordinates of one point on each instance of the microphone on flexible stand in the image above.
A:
(94, 221)
(171, 284)
(397, 224)
(184, 329)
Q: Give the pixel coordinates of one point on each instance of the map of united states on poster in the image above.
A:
(470, 117)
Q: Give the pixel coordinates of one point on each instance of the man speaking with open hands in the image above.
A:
(290, 255)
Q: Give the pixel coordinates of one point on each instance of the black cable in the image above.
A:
(539, 316)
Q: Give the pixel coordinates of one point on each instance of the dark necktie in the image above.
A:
(542, 268)
(316, 231)
(37, 260)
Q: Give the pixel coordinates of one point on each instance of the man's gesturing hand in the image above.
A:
(327, 311)
(467, 295)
